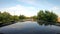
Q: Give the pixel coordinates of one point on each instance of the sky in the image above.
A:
(29, 7)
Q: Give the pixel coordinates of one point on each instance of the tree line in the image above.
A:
(46, 16)
(7, 18)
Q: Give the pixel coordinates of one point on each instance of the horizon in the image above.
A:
(29, 7)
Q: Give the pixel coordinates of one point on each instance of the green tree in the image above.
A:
(5, 17)
(15, 18)
(47, 16)
(0, 17)
(41, 15)
(34, 18)
(22, 17)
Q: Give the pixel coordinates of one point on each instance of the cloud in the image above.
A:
(31, 2)
(28, 1)
(31, 7)
(56, 10)
(19, 9)
(36, 2)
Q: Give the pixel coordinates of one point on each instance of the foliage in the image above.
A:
(47, 16)
(16, 18)
(5, 17)
(34, 18)
(21, 17)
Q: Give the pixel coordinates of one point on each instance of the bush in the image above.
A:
(47, 16)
